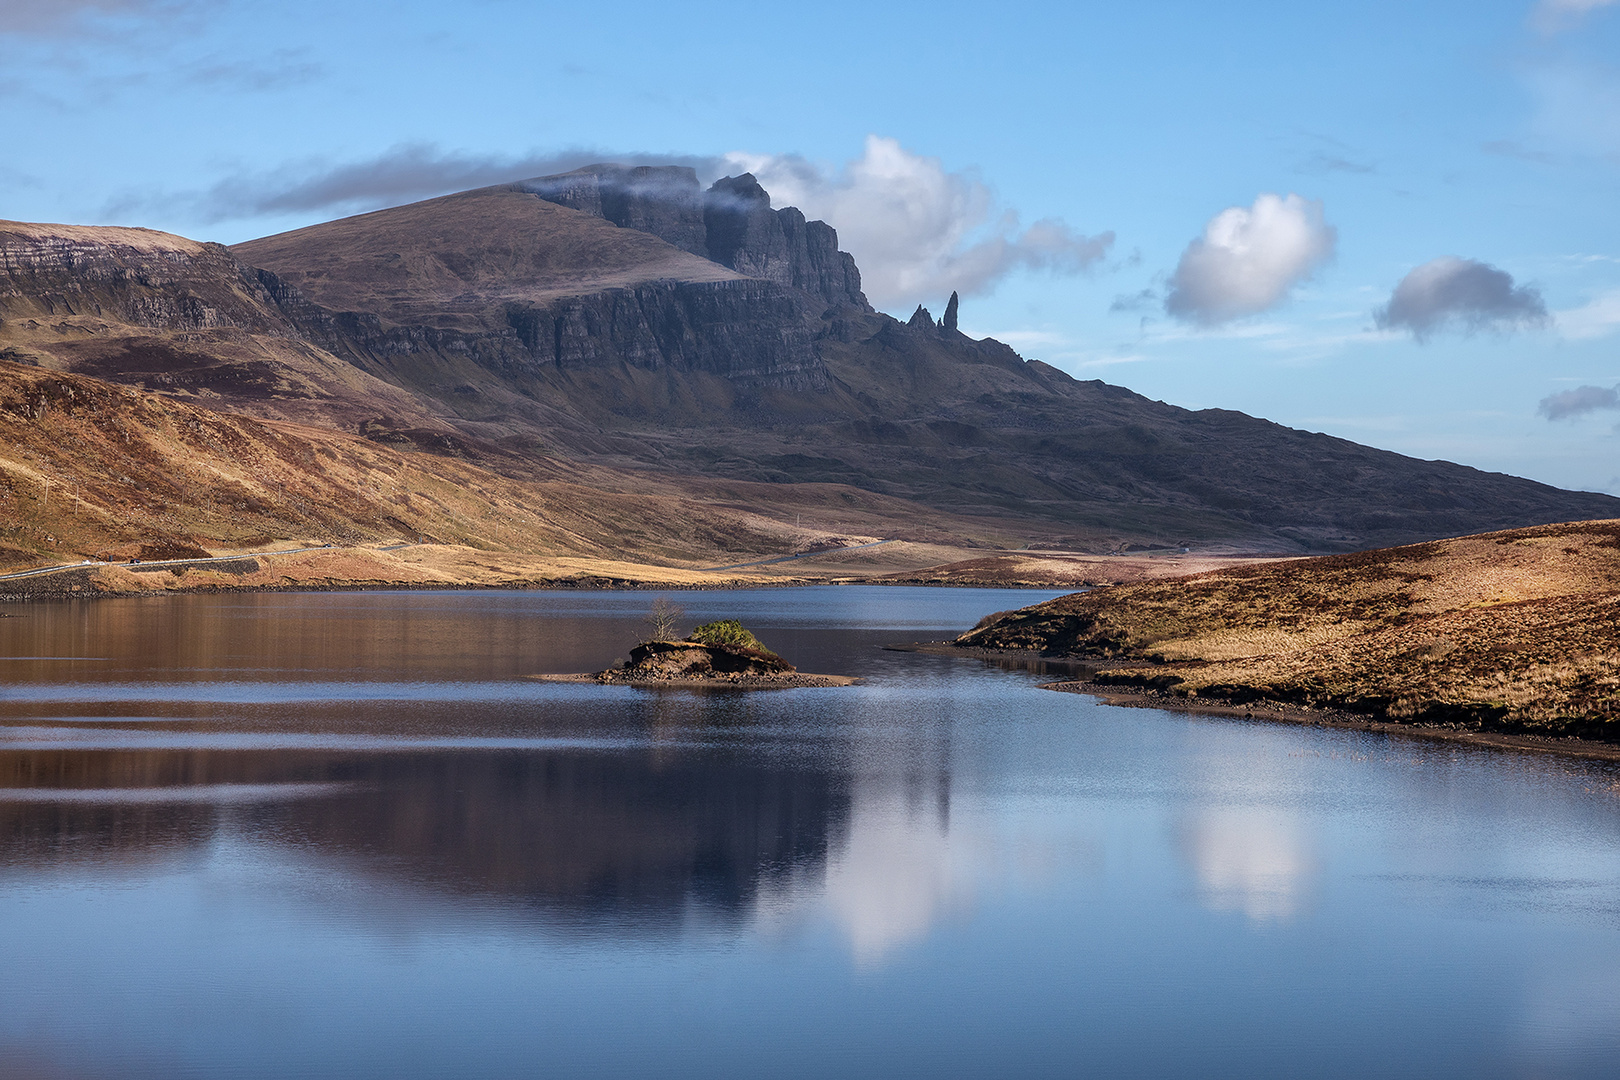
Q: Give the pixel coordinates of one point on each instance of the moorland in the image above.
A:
(1513, 632)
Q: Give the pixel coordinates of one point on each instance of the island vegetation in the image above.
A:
(722, 653)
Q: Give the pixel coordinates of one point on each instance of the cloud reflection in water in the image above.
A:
(1256, 860)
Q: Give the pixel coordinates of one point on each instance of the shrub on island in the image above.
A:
(729, 632)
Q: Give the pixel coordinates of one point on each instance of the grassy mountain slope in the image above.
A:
(89, 468)
(453, 261)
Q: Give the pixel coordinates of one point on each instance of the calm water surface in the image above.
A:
(340, 835)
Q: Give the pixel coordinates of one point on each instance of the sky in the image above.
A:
(1391, 222)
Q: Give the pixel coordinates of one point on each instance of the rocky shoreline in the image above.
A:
(1286, 713)
(797, 680)
(1149, 697)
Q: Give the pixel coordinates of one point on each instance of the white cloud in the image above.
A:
(917, 230)
(1598, 317)
(1249, 258)
(1465, 294)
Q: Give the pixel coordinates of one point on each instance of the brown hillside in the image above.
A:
(178, 317)
(455, 260)
(1516, 630)
(91, 469)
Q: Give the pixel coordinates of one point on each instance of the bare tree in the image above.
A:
(665, 618)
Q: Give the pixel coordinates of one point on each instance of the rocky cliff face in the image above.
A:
(746, 331)
(415, 293)
(732, 223)
(752, 333)
(55, 274)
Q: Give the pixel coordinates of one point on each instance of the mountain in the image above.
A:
(699, 344)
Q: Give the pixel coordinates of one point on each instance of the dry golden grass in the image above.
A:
(1516, 630)
(92, 469)
(1067, 569)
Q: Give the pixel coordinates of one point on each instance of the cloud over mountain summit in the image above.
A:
(917, 230)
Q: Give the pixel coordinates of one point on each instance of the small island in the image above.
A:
(722, 654)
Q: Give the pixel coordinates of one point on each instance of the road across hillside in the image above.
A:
(181, 562)
(800, 555)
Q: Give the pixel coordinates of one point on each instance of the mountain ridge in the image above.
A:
(508, 328)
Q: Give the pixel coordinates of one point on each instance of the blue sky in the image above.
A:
(1157, 144)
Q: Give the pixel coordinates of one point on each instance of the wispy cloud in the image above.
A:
(918, 230)
(1143, 300)
(1321, 162)
(402, 174)
(282, 70)
(46, 17)
(1026, 339)
(1568, 404)
(1556, 16)
(1507, 148)
(1112, 361)
(1460, 294)
(1248, 259)
(1598, 317)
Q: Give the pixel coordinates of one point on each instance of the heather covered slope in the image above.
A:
(92, 469)
(1510, 631)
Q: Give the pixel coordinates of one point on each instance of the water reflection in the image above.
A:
(577, 832)
(894, 871)
(1248, 859)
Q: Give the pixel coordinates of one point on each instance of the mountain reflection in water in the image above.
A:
(581, 832)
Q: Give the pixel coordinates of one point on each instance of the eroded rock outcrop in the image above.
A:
(137, 277)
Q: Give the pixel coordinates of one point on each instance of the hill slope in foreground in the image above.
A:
(1514, 631)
